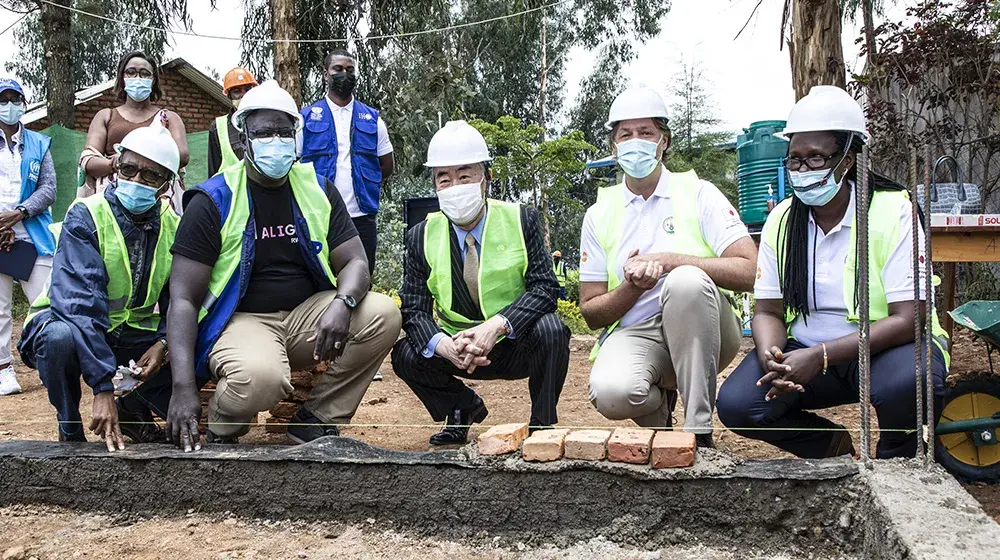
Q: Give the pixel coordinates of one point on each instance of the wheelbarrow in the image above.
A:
(967, 431)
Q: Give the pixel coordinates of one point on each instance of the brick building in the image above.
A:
(196, 97)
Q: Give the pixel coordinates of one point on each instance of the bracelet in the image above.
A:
(826, 359)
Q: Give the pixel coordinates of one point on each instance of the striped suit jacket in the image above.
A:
(542, 289)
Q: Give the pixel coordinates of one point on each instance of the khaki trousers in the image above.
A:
(252, 361)
(685, 347)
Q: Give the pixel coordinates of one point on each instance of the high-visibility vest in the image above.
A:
(559, 269)
(503, 262)
(114, 252)
(609, 221)
(229, 157)
(883, 236)
(231, 273)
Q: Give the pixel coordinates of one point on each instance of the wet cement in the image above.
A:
(801, 508)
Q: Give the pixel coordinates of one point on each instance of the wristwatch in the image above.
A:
(349, 301)
(24, 212)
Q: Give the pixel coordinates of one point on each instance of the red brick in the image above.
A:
(630, 445)
(673, 450)
(588, 445)
(284, 409)
(276, 425)
(505, 438)
(544, 445)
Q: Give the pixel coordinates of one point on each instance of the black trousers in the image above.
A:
(368, 233)
(788, 423)
(541, 354)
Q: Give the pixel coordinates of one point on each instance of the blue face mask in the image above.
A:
(139, 89)
(814, 188)
(135, 197)
(11, 113)
(638, 157)
(273, 156)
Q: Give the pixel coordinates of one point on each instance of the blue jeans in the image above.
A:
(793, 428)
(59, 368)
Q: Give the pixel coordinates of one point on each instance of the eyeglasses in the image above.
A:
(138, 72)
(268, 136)
(148, 176)
(812, 163)
(15, 101)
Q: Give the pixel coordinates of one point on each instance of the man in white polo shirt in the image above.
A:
(657, 251)
(348, 143)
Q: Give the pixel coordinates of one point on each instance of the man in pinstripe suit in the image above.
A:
(482, 268)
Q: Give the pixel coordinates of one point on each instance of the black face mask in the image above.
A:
(343, 83)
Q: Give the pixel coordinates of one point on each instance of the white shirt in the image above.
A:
(827, 258)
(343, 180)
(649, 228)
(10, 178)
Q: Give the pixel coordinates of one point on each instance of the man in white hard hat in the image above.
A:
(482, 266)
(106, 301)
(268, 277)
(658, 251)
(805, 323)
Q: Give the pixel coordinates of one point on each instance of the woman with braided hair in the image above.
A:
(806, 322)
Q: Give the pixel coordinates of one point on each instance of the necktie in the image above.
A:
(471, 270)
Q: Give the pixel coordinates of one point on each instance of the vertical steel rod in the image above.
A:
(864, 317)
(917, 330)
(928, 339)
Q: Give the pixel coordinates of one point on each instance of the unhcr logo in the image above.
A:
(34, 169)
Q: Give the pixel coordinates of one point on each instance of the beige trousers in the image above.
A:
(685, 347)
(253, 359)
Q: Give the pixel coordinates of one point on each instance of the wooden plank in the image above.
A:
(964, 229)
(948, 291)
(979, 246)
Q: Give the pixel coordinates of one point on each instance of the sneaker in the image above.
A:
(378, 376)
(305, 427)
(8, 382)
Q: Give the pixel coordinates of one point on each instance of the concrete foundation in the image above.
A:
(822, 509)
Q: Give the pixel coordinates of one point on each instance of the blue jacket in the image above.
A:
(319, 146)
(36, 145)
(79, 295)
(212, 325)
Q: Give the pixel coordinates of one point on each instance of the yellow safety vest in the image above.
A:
(114, 253)
(883, 235)
(229, 157)
(503, 263)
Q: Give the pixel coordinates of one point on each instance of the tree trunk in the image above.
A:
(543, 82)
(869, 19)
(817, 54)
(59, 81)
(286, 55)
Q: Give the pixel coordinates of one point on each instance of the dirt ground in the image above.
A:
(391, 417)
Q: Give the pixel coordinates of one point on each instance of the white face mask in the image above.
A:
(462, 203)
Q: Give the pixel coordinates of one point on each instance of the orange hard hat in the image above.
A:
(557, 254)
(237, 77)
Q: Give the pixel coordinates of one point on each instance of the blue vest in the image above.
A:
(212, 325)
(35, 147)
(319, 146)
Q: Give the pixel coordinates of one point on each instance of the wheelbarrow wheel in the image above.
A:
(969, 399)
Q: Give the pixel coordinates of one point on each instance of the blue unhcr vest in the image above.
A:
(35, 147)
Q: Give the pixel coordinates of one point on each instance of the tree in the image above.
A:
(63, 51)
(815, 52)
(286, 52)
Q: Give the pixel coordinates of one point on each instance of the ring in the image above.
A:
(336, 345)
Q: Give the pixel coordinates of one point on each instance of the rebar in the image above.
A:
(864, 317)
(917, 328)
(928, 339)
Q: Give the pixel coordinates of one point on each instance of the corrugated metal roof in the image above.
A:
(38, 111)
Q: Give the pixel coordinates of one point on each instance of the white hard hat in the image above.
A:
(826, 108)
(154, 143)
(458, 143)
(636, 103)
(267, 95)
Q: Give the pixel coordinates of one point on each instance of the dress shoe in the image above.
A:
(305, 427)
(456, 430)
(841, 444)
(139, 427)
(704, 441)
(225, 440)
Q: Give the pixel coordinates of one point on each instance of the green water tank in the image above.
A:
(759, 168)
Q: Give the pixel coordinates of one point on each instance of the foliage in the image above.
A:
(937, 80)
(570, 314)
(391, 226)
(96, 44)
(573, 284)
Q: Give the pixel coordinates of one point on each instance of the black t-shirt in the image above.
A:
(280, 279)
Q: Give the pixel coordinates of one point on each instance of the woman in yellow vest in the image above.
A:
(806, 321)
(105, 303)
(225, 144)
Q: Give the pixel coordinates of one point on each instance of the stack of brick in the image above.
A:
(636, 446)
(206, 393)
(302, 384)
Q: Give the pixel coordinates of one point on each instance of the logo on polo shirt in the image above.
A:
(668, 224)
(364, 116)
(317, 114)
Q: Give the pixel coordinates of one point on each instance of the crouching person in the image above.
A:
(105, 303)
(806, 321)
(269, 276)
(658, 251)
(482, 266)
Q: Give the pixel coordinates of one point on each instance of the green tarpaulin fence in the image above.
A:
(67, 145)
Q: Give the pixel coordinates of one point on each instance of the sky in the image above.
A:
(748, 78)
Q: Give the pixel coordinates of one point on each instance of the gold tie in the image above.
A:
(471, 270)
